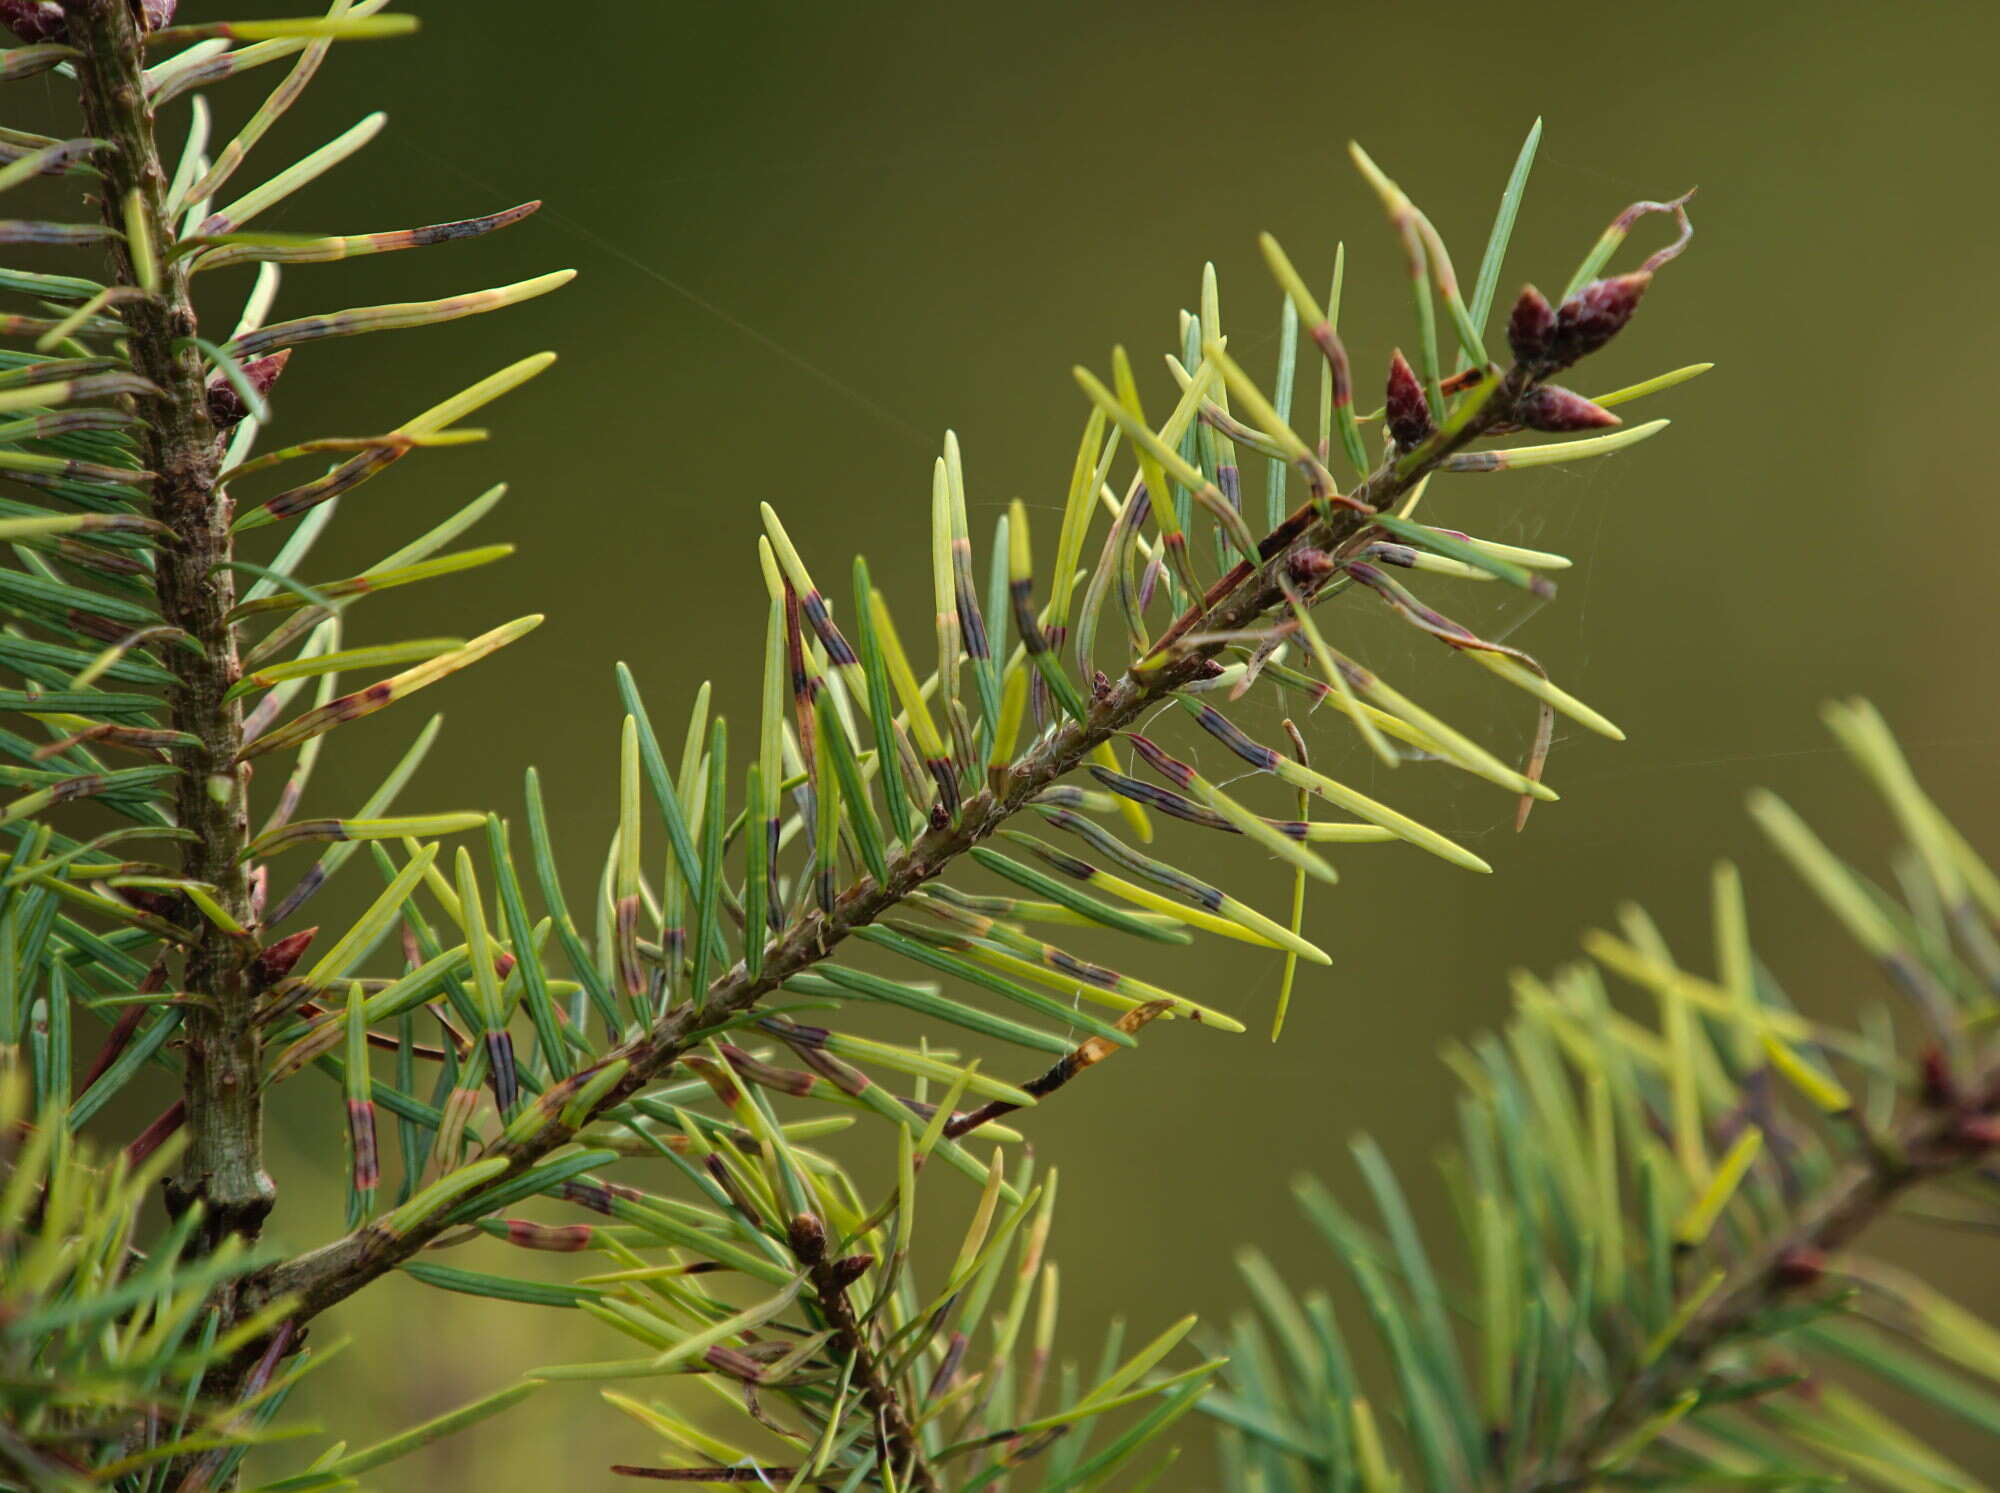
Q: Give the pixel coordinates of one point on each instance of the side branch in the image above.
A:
(896, 1436)
(327, 1275)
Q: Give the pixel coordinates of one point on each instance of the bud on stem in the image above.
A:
(226, 404)
(1596, 314)
(275, 961)
(1407, 412)
(845, 1271)
(1557, 410)
(1531, 328)
(34, 20)
(808, 1238)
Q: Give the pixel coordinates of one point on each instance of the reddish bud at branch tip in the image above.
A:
(1407, 413)
(1940, 1091)
(1980, 1130)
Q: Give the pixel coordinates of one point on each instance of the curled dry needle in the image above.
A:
(1087, 1054)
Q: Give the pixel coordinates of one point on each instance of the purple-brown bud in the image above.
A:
(1980, 1130)
(1801, 1265)
(808, 1238)
(226, 404)
(154, 14)
(1558, 410)
(275, 961)
(34, 20)
(1407, 412)
(1940, 1089)
(846, 1271)
(1595, 314)
(1308, 567)
(1531, 329)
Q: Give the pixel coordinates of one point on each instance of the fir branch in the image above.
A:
(329, 1274)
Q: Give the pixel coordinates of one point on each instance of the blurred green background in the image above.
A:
(813, 237)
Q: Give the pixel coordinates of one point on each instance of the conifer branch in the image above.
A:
(329, 1274)
(562, 1048)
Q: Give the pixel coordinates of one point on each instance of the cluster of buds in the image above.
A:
(1554, 337)
(1557, 336)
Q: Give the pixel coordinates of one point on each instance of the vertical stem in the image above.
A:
(223, 1168)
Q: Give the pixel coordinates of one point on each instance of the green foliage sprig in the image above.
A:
(671, 1010)
(1659, 1218)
